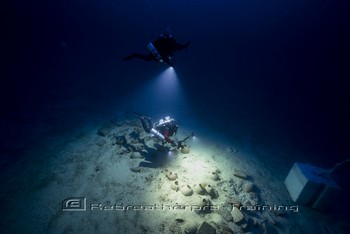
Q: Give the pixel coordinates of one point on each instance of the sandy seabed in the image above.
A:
(92, 181)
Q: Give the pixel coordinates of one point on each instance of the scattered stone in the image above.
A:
(135, 155)
(235, 228)
(244, 226)
(171, 176)
(231, 150)
(214, 176)
(179, 220)
(255, 221)
(253, 198)
(268, 229)
(279, 213)
(215, 225)
(203, 184)
(210, 191)
(199, 189)
(190, 229)
(225, 230)
(225, 214)
(185, 149)
(240, 174)
(135, 169)
(149, 178)
(103, 131)
(234, 202)
(264, 229)
(204, 206)
(149, 144)
(161, 228)
(270, 219)
(134, 141)
(144, 228)
(120, 140)
(101, 142)
(175, 186)
(129, 150)
(186, 190)
(137, 147)
(237, 215)
(248, 203)
(239, 185)
(249, 187)
(174, 228)
(206, 228)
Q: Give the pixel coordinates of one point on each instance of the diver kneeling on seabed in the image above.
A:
(163, 130)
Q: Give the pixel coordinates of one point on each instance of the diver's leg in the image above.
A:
(146, 124)
(147, 57)
(145, 121)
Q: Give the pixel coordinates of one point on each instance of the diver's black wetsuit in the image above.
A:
(165, 45)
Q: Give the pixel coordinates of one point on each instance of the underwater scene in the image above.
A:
(187, 117)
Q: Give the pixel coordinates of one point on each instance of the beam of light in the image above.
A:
(167, 92)
(158, 96)
(167, 87)
(171, 154)
(194, 139)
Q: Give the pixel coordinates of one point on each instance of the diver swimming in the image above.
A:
(161, 50)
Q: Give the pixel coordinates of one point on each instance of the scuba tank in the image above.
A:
(155, 52)
(157, 134)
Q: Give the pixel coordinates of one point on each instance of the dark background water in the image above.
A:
(275, 67)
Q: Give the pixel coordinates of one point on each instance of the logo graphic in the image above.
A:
(74, 204)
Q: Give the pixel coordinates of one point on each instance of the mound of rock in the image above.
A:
(186, 190)
(135, 155)
(171, 176)
(185, 149)
(237, 215)
(240, 174)
(206, 228)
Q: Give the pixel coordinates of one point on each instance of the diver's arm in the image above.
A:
(167, 139)
(182, 46)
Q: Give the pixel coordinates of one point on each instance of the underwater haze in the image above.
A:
(270, 75)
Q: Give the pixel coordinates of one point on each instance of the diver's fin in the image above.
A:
(134, 114)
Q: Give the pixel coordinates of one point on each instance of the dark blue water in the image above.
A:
(283, 62)
(278, 70)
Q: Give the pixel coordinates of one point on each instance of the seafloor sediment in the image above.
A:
(115, 178)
